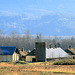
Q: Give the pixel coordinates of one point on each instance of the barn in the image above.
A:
(54, 53)
(9, 54)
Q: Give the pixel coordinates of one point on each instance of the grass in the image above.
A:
(10, 71)
(62, 72)
(37, 68)
(64, 62)
(21, 62)
(31, 63)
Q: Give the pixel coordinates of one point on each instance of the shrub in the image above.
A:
(64, 62)
(21, 62)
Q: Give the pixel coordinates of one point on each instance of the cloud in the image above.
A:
(4, 12)
(7, 13)
(29, 16)
(71, 25)
(58, 30)
(24, 15)
(40, 24)
(47, 22)
(13, 25)
(42, 11)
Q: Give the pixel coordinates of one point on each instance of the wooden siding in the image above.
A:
(15, 57)
(29, 58)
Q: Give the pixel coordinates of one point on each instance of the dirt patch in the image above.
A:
(6, 64)
(11, 69)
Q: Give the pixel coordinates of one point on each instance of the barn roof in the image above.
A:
(56, 53)
(32, 53)
(70, 51)
(22, 53)
(7, 50)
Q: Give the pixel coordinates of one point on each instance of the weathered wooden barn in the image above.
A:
(9, 54)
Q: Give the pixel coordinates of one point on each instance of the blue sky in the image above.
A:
(36, 8)
(42, 6)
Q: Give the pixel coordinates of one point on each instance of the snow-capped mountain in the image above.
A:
(53, 24)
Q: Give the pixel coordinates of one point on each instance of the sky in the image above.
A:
(37, 6)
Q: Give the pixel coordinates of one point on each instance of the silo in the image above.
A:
(40, 51)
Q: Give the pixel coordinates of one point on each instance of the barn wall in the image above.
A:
(15, 57)
(5, 58)
(29, 58)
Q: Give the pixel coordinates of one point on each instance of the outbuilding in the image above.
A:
(56, 53)
(30, 57)
(9, 54)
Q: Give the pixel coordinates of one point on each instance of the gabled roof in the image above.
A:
(7, 50)
(22, 53)
(56, 53)
(32, 53)
(70, 51)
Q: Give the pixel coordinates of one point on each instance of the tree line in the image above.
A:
(28, 41)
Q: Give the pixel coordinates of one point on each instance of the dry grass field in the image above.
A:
(36, 69)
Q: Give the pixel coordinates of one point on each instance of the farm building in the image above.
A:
(9, 54)
(42, 54)
(71, 52)
(22, 54)
(56, 53)
(31, 56)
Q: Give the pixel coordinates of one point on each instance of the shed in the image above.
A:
(31, 56)
(9, 54)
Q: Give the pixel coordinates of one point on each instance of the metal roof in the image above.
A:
(7, 50)
(55, 53)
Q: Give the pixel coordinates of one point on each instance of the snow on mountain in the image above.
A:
(54, 24)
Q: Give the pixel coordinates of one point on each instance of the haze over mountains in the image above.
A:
(50, 24)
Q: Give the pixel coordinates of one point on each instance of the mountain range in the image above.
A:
(51, 24)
